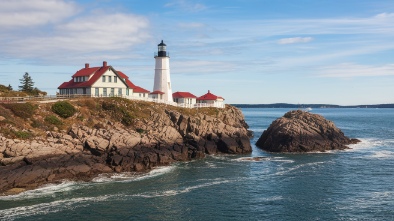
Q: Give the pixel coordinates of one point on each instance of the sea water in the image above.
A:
(355, 184)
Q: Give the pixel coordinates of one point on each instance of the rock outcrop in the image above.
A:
(82, 152)
(300, 131)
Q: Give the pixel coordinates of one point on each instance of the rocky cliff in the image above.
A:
(300, 131)
(110, 135)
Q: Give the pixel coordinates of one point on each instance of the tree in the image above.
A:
(9, 87)
(27, 83)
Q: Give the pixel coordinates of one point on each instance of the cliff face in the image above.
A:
(299, 131)
(100, 142)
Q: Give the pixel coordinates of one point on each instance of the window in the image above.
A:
(109, 79)
(115, 79)
(119, 91)
(103, 78)
(96, 93)
(112, 92)
(104, 92)
(127, 92)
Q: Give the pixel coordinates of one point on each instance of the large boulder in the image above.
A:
(300, 131)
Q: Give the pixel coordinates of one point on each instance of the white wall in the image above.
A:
(109, 85)
(162, 77)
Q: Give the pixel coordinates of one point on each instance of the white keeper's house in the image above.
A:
(102, 81)
(105, 81)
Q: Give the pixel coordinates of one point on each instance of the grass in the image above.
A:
(91, 112)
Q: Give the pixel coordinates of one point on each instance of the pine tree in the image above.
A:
(27, 83)
(9, 87)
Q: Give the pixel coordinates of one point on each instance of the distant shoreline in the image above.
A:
(285, 105)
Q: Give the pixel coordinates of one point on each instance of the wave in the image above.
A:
(180, 190)
(383, 154)
(133, 176)
(283, 172)
(46, 190)
(371, 143)
(46, 208)
(258, 130)
(67, 186)
(262, 159)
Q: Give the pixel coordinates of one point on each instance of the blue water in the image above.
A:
(356, 184)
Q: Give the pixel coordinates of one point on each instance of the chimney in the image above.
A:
(86, 65)
(209, 91)
(104, 64)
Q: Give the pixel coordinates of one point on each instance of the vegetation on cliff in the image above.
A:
(106, 135)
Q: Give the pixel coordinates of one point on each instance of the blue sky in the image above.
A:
(248, 51)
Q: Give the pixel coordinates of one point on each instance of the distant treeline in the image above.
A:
(284, 105)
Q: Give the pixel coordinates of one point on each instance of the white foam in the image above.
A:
(252, 159)
(180, 190)
(383, 154)
(257, 130)
(297, 167)
(133, 176)
(371, 143)
(46, 190)
(46, 208)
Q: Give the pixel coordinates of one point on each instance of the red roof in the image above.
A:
(157, 92)
(97, 72)
(138, 89)
(85, 72)
(179, 94)
(209, 96)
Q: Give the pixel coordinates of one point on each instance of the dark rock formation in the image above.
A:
(83, 152)
(299, 131)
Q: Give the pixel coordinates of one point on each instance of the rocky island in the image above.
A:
(300, 131)
(80, 139)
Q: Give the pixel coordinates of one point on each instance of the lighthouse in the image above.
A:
(162, 83)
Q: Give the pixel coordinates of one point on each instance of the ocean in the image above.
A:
(355, 184)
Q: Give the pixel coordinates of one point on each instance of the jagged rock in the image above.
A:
(83, 152)
(299, 131)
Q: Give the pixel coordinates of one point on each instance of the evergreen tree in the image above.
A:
(26, 83)
(9, 87)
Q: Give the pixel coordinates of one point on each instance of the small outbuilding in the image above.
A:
(184, 99)
(210, 100)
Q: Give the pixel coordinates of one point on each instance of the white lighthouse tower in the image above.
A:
(162, 85)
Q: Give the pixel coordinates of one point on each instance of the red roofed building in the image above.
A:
(156, 95)
(210, 100)
(102, 81)
(184, 99)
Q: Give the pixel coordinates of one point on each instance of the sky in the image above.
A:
(247, 51)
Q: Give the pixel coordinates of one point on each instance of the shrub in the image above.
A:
(53, 120)
(22, 110)
(15, 134)
(63, 109)
(127, 118)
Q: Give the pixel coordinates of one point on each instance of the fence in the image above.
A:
(49, 98)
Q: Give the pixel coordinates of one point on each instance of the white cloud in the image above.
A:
(385, 15)
(350, 70)
(26, 13)
(62, 37)
(186, 5)
(295, 40)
